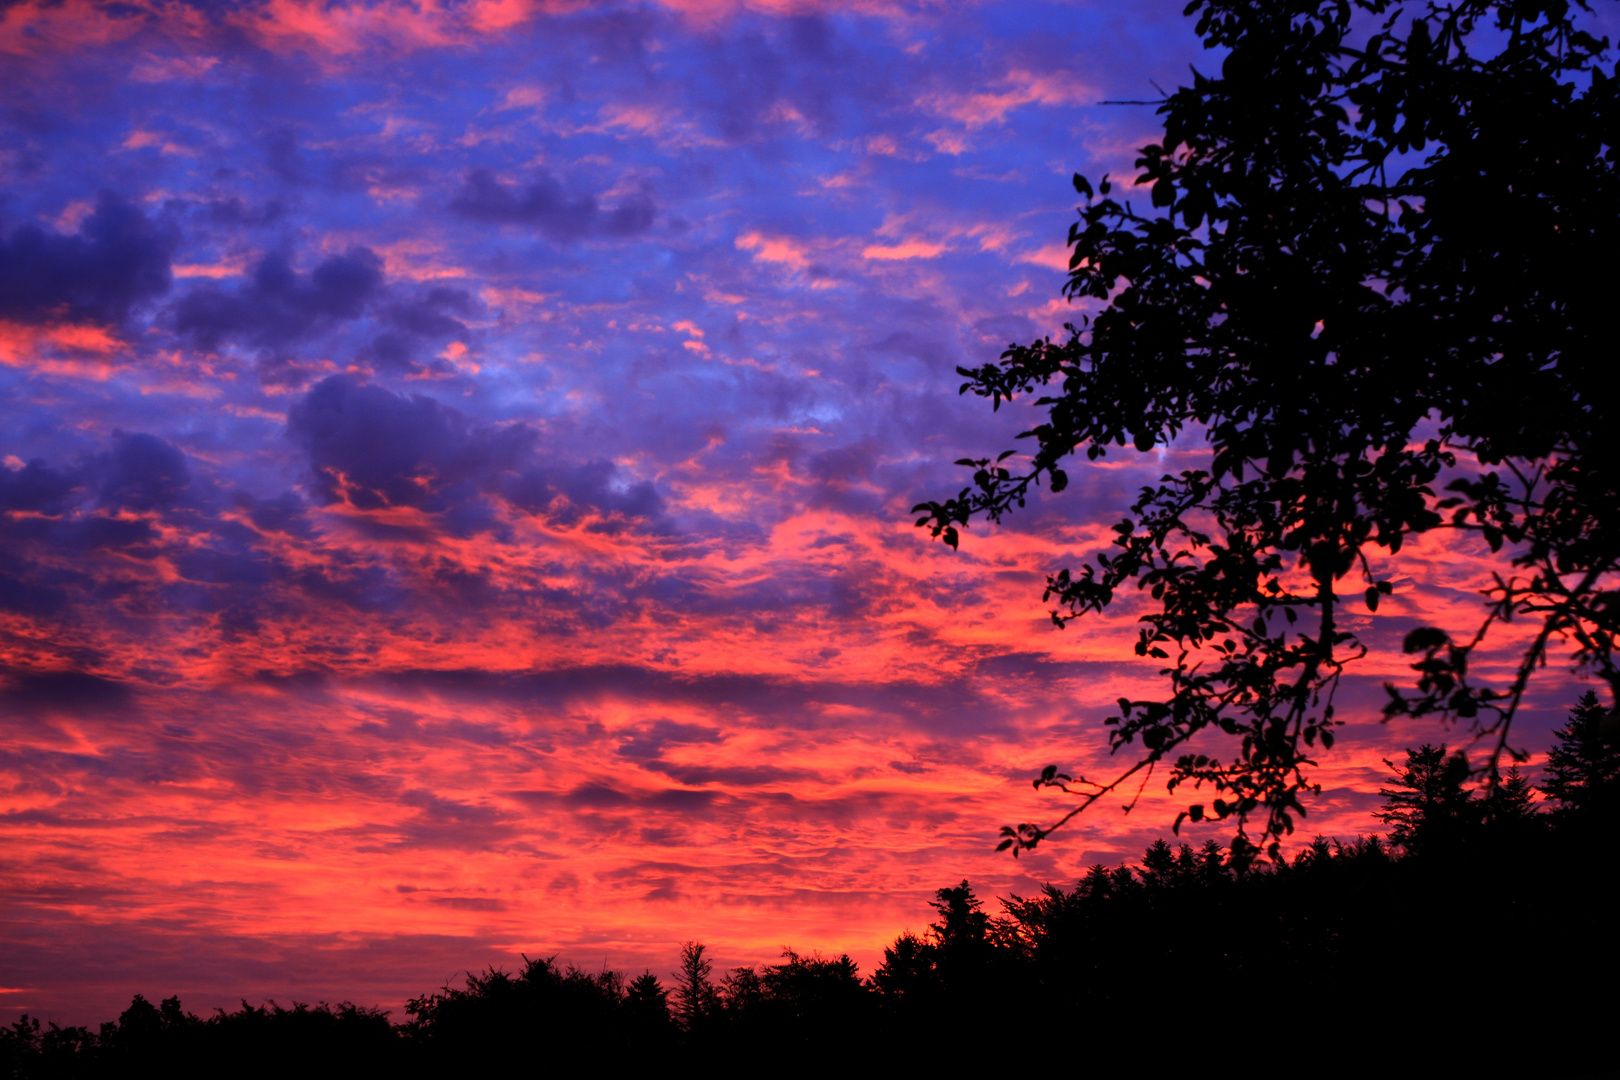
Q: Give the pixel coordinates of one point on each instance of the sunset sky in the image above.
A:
(454, 477)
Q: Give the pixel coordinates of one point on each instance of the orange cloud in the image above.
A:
(774, 249)
(1019, 88)
(1051, 256)
(909, 249)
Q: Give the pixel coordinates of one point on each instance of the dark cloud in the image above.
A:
(415, 319)
(283, 514)
(278, 305)
(36, 487)
(64, 511)
(469, 903)
(731, 776)
(234, 211)
(281, 154)
(446, 823)
(544, 205)
(648, 741)
(564, 493)
(118, 258)
(593, 795)
(801, 61)
(30, 598)
(376, 448)
(432, 313)
(101, 533)
(61, 691)
(956, 704)
(142, 472)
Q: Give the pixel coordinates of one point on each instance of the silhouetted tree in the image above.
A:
(907, 977)
(1428, 806)
(252, 1042)
(646, 995)
(961, 935)
(814, 999)
(695, 996)
(498, 1020)
(1511, 803)
(1314, 292)
(648, 1023)
(28, 1050)
(1583, 766)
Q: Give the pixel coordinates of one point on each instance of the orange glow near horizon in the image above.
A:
(604, 793)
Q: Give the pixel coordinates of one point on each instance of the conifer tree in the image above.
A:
(695, 995)
(1583, 768)
(1512, 802)
(1427, 807)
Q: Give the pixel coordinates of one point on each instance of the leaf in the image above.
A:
(1423, 639)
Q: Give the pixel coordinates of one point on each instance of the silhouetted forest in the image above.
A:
(1477, 937)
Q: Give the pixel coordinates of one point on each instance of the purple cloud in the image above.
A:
(118, 258)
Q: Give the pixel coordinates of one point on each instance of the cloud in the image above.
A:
(909, 249)
(142, 472)
(565, 492)
(61, 691)
(139, 472)
(775, 249)
(976, 107)
(544, 205)
(117, 259)
(278, 305)
(373, 449)
(648, 741)
(283, 514)
(35, 487)
(1051, 256)
(417, 319)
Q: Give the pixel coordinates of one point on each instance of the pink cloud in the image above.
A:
(908, 249)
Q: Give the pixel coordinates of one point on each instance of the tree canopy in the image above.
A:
(1372, 274)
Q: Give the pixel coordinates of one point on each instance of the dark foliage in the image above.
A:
(164, 1040)
(695, 998)
(1132, 968)
(1583, 769)
(1374, 277)
(543, 1013)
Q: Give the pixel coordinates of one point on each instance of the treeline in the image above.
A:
(1479, 937)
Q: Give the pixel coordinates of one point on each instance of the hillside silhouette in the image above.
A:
(1483, 919)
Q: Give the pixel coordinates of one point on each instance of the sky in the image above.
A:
(454, 486)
